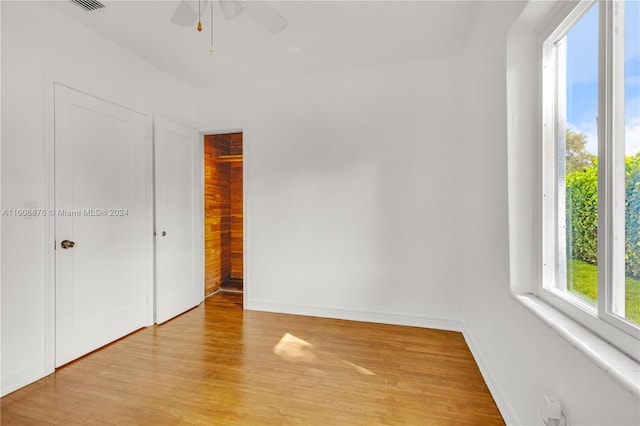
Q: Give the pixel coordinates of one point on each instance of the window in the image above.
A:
(591, 165)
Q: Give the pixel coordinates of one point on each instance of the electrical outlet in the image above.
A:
(551, 411)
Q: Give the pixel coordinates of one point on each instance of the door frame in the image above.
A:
(245, 216)
(51, 78)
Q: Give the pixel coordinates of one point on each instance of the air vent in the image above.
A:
(88, 5)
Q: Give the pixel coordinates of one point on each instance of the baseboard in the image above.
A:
(22, 378)
(504, 407)
(352, 315)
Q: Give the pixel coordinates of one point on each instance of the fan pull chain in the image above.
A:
(199, 23)
(211, 50)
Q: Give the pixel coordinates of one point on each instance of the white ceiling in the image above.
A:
(320, 36)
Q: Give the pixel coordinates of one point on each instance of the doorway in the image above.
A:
(223, 212)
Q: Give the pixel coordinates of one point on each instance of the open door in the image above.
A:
(179, 219)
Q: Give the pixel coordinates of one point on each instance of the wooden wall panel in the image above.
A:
(235, 148)
(217, 204)
(236, 221)
(235, 144)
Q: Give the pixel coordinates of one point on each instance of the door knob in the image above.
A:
(66, 244)
(164, 233)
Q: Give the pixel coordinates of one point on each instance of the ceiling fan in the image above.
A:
(189, 12)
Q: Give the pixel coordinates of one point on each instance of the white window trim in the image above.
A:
(609, 348)
(612, 52)
(619, 333)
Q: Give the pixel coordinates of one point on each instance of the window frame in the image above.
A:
(600, 319)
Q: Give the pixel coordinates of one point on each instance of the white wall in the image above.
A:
(352, 188)
(522, 358)
(37, 39)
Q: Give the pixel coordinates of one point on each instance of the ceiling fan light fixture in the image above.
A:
(230, 8)
(190, 12)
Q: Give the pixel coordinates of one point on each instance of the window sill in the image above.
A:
(615, 363)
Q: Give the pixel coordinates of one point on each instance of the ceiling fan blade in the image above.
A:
(230, 8)
(265, 15)
(184, 15)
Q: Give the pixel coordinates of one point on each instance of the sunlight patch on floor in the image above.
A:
(294, 349)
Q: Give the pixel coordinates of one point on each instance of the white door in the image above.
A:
(102, 206)
(179, 224)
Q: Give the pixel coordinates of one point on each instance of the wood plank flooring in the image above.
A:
(220, 365)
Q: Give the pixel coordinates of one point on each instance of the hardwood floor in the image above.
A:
(220, 365)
